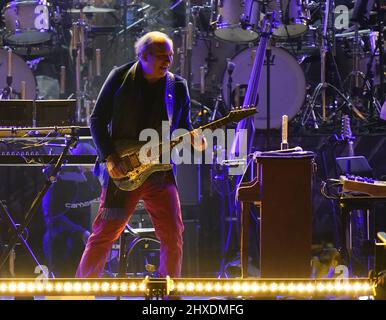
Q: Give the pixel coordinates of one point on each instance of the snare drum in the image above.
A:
(237, 20)
(27, 23)
(293, 15)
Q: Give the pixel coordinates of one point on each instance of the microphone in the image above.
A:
(62, 80)
(296, 149)
(189, 37)
(98, 61)
(195, 102)
(75, 37)
(23, 90)
(230, 66)
(143, 8)
(82, 43)
(284, 133)
(9, 63)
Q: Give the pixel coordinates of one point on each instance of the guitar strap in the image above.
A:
(169, 96)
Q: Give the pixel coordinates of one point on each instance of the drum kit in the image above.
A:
(224, 33)
(48, 49)
(223, 37)
(34, 31)
(215, 45)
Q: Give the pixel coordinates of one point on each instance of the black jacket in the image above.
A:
(105, 123)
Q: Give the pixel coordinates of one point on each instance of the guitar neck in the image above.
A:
(212, 125)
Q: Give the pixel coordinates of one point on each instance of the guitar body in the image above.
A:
(138, 171)
(137, 175)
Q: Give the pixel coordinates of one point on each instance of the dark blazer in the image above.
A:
(105, 123)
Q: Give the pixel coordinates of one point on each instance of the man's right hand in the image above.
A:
(114, 166)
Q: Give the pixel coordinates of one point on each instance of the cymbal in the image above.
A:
(91, 9)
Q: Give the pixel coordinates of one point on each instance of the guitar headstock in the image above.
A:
(346, 128)
(240, 113)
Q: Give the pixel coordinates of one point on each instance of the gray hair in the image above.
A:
(145, 43)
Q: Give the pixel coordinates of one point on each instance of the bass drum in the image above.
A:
(208, 54)
(288, 85)
(20, 72)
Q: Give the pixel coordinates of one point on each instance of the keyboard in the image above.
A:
(363, 185)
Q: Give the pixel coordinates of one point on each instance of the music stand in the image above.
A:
(357, 165)
(55, 112)
(17, 113)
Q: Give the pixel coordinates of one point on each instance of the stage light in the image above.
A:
(203, 287)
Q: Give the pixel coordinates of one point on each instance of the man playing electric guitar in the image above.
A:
(136, 97)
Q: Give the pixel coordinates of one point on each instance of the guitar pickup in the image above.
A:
(134, 161)
(130, 162)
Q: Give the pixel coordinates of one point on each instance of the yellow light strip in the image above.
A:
(98, 287)
(187, 287)
(272, 287)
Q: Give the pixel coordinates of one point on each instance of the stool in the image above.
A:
(125, 248)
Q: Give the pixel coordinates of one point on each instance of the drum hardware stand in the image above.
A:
(79, 56)
(181, 51)
(323, 85)
(380, 18)
(217, 103)
(367, 85)
(126, 28)
(268, 53)
(71, 142)
(230, 68)
(187, 42)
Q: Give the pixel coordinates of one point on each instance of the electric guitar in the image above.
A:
(131, 153)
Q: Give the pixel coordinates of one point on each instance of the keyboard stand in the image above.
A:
(18, 231)
(347, 205)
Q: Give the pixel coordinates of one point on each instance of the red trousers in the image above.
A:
(161, 201)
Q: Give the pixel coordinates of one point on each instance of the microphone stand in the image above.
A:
(230, 69)
(125, 22)
(380, 18)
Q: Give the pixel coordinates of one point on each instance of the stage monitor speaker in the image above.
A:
(189, 184)
(55, 112)
(17, 113)
(190, 258)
